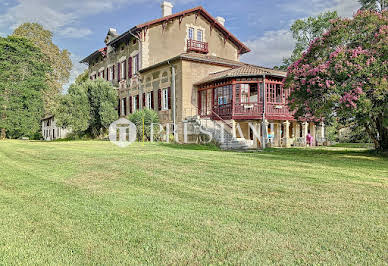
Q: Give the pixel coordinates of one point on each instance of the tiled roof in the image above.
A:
(200, 10)
(242, 71)
(208, 59)
(101, 51)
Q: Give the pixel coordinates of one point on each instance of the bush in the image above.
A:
(149, 117)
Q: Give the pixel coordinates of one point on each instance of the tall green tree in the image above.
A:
(344, 74)
(58, 59)
(82, 77)
(89, 107)
(73, 110)
(304, 31)
(22, 80)
(378, 5)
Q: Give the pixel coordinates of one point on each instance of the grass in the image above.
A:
(93, 203)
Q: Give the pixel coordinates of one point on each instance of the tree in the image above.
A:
(343, 74)
(304, 31)
(148, 117)
(22, 80)
(82, 77)
(59, 60)
(378, 5)
(74, 109)
(89, 107)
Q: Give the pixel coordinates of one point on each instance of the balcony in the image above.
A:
(197, 46)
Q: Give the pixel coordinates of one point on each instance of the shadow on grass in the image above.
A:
(196, 147)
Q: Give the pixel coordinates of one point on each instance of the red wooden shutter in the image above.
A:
(107, 73)
(169, 98)
(144, 100)
(113, 72)
(138, 101)
(130, 104)
(152, 100)
(130, 67)
(119, 109)
(159, 99)
(118, 72)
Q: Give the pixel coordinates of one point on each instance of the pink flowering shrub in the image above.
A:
(344, 73)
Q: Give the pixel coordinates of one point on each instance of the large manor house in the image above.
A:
(186, 66)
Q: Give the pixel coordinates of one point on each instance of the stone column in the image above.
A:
(255, 139)
(278, 134)
(234, 128)
(264, 133)
(322, 131)
(272, 129)
(305, 131)
(313, 132)
(286, 125)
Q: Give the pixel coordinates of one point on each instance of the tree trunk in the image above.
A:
(383, 142)
(3, 134)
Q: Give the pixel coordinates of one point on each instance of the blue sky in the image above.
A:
(81, 25)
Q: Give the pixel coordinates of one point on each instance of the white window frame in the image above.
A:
(149, 100)
(200, 33)
(122, 70)
(123, 107)
(165, 99)
(191, 33)
(111, 73)
(134, 104)
(135, 63)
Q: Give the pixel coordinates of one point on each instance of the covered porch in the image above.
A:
(244, 93)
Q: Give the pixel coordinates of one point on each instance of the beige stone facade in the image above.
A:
(198, 53)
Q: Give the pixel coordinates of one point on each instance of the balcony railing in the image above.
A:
(252, 110)
(197, 46)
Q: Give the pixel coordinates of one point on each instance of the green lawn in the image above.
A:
(94, 203)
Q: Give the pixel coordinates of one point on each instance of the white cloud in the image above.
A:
(345, 8)
(59, 16)
(71, 32)
(270, 49)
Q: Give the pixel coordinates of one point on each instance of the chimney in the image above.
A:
(221, 20)
(166, 8)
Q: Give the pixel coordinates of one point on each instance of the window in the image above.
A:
(199, 35)
(149, 100)
(123, 103)
(191, 33)
(122, 68)
(111, 73)
(253, 93)
(223, 95)
(165, 99)
(135, 66)
(134, 104)
(244, 93)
